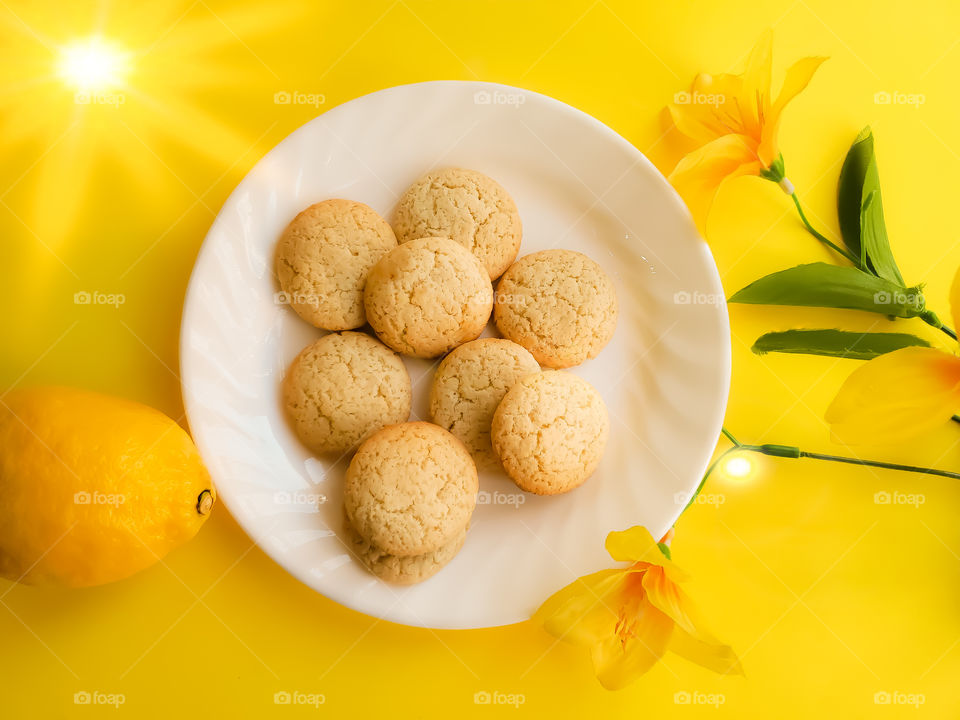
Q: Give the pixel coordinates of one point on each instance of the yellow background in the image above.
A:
(828, 597)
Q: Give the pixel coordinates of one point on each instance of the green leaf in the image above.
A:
(850, 191)
(873, 234)
(860, 209)
(833, 286)
(835, 343)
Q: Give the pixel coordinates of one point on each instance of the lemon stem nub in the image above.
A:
(205, 502)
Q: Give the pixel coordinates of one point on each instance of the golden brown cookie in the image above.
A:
(323, 258)
(559, 304)
(427, 296)
(467, 207)
(469, 384)
(550, 431)
(410, 489)
(401, 570)
(343, 388)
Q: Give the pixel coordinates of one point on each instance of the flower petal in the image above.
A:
(706, 653)
(896, 396)
(698, 176)
(618, 663)
(795, 81)
(724, 84)
(583, 612)
(797, 78)
(634, 544)
(754, 100)
(667, 597)
(702, 120)
(695, 643)
(955, 299)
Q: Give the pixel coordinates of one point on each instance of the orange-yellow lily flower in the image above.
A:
(734, 121)
(899, 395)
(629, 617)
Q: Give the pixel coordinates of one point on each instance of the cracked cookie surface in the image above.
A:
(344, 387)
(401, 570)
(469, 208)
(550, 431)
(469, 384)
(558, 304)
(410, 489)
(323, 258)
(427, 296)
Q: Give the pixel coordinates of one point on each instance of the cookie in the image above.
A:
(410, 489)
(469, 384)
(427, 296)
(559, 304)
(343, 388)
(401, 570)
(323, 258)
(550, 431)
(467, 207)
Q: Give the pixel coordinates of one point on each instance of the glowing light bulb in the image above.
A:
(93, 65)
(738, 467)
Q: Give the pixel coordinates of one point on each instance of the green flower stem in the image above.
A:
(819, 236)
(943, 328)
(931, 319)
(794, 453)
(928, 317)
(885, 465)
(730, 436)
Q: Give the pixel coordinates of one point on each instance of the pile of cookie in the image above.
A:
(425, 288)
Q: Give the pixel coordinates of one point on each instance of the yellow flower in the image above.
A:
(734, 122)
(899, 395)
(629, 617)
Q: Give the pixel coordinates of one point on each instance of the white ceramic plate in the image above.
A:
(578, 185)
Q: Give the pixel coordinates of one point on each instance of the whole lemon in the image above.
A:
(93, 488)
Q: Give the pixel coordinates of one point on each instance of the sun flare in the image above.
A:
(738, 467)
(137, 93)
(93, 65)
